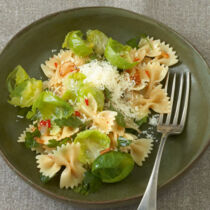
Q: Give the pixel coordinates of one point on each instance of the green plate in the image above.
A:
(34, 44)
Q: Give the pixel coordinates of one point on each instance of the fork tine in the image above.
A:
(166, 83)
(187, 93)
(172, 99)
(179, 100)
(160, 121)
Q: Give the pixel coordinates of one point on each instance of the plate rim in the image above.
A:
(76, 201)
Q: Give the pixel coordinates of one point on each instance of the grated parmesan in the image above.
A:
(154, 120)
(150, 133)
(102, 74)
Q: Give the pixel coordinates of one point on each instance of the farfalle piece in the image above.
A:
(47, 165)
(167, 57)
(102, 121)
(139, 76)
(157, 100)
(89, 109)
(139, 103)
(63, 133)
(151, 46)
(138, 54)
(58, 67)
(68, 132)
(61, 64)
(140, 149)
(156, 73)
(68, 156)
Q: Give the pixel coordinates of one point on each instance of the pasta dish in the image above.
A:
(86, 116)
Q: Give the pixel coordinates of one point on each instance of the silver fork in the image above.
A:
(170, 124)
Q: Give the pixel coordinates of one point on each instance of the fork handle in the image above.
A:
(149, 200)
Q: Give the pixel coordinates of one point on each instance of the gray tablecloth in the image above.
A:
(188, 17)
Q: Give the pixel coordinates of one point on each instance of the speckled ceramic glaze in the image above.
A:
(34, 44)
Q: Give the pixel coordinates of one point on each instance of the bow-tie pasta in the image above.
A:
(168, 56)
(67, 156)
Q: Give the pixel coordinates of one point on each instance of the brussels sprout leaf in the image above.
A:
(30, 142)
(142, 121)
(72, 121)
(50, 106)
(119, 118)
(113, 166)
(133, 42)
(90, 184)
(75, 42)
(44, 179)
(119, 55)
(54, 143)
(98, 39)
(92, 142)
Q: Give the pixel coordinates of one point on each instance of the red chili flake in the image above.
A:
(136, 59)
(86, 101)
(128, 71)
(45, 123)
(165, 54)
(66, 68)
(56, 64)
(77, 113)
(148, 74)
(132, 78)
(137, 78)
